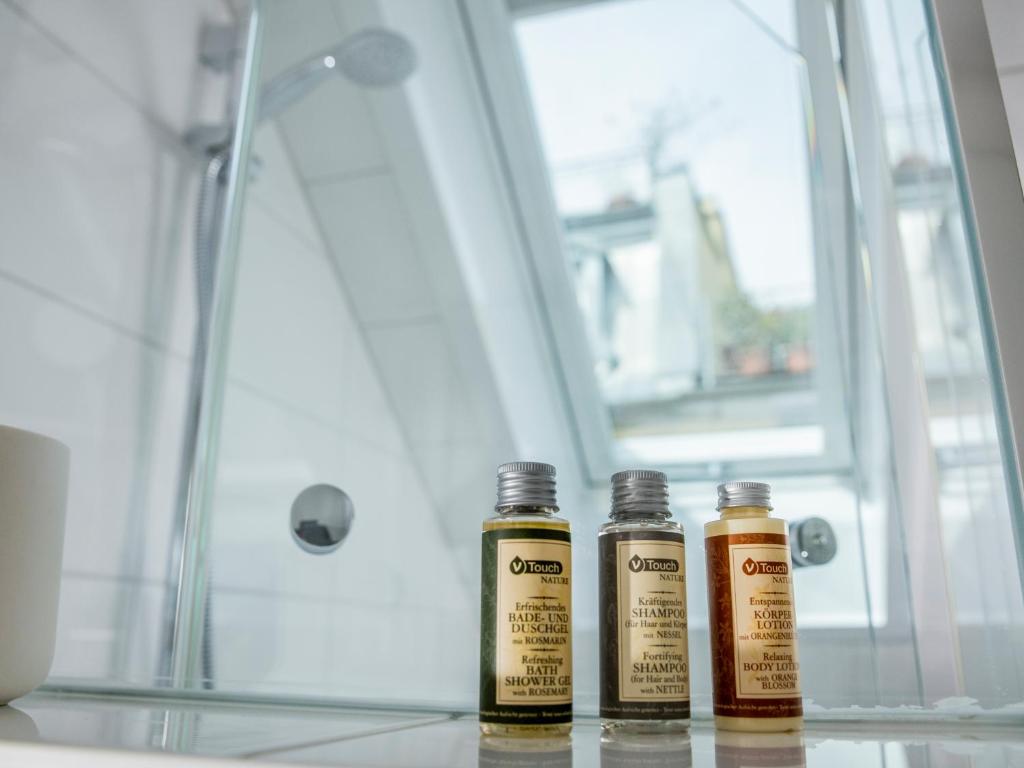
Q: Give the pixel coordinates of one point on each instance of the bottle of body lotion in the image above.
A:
(755, 670)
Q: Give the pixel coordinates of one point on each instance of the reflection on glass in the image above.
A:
(971, 493)
(500, 752)
(724, 322)
(742, 750)
(762, 230)
(321, 517)
(622, 750)
(16, 725)
(683, 188)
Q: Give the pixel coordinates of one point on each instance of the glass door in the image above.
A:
(718, 238)
(765, 254)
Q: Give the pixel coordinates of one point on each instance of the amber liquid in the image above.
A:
(747, 520)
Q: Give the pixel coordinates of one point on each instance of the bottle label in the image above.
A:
(753, 620)
(526, 629)
(645, 655)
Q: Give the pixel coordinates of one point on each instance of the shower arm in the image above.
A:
(373, 57)
(208, 139)
(293, 84)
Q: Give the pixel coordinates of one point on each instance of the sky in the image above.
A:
(732, 94)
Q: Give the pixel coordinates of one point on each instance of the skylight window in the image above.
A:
(678, 150)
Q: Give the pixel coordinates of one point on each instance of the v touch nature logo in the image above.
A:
(753, 567)
(518, 566)
(639, 564)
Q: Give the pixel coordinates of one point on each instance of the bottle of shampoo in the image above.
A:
(644, 656)
(754, 665)
(526, 608)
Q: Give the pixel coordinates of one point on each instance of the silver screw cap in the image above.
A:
(744, 494)
(526, 484)
(639, 492)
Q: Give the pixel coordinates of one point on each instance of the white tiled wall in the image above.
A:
(305, 405)
(356, 361)
(97, 196)
(1006, 28)
(97, 312)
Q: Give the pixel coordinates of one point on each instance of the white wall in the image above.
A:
(1006, 28)
(373, 345)
(353, 357)
(97, 199)
(359, 163)
(96, 294)
(305, 405)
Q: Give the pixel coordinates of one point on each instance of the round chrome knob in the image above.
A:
(321, 518)
(812, 542)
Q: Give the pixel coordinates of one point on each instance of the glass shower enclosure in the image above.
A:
(720, 238)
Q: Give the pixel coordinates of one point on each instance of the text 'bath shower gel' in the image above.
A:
(754, 666)
(526, 608)
(644, 654)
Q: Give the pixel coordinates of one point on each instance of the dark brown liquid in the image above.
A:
(612, 707)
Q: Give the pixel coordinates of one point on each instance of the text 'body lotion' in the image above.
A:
(754, 666)
(526, 608)
(644, 659)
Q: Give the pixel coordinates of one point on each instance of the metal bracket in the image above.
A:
(220, 46)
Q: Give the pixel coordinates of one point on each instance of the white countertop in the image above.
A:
(60, 730)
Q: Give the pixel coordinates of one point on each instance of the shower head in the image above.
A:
(373, 57)
(376, 58)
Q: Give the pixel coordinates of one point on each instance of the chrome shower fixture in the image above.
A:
(373, 57)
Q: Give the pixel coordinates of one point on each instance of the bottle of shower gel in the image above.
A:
(644, 654)
(754, 666)
(526, 608)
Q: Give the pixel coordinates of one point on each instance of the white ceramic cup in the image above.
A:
(33, 497)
